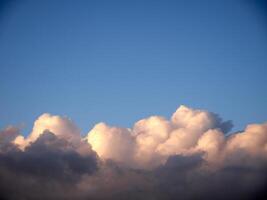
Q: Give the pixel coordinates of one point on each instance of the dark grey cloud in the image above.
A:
(48, 169)
(182, 177)
(190, 180)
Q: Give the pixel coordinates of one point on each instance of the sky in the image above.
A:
(159, 100)
(121, 61)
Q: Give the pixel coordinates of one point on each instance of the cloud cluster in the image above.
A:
(189, 156)
(152, 140)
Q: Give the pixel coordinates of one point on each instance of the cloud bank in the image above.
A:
(188, 156)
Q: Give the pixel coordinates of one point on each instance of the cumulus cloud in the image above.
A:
(112, 142)
(61, 126)
(8, 134)
(151, 141)
(188, 156)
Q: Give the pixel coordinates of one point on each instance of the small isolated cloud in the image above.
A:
(188, 156)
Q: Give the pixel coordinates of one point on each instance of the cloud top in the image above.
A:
(152, 140)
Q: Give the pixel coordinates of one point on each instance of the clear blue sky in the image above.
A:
(120, 61)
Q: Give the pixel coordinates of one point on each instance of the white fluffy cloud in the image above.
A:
(112, 143)
(151, 141)
(157, 158)
(60, 126)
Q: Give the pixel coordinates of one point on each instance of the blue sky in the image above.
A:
(120, 61)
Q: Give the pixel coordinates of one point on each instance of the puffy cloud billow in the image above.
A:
(192, 155)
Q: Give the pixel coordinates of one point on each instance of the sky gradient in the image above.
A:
(143, 100)
(121, 61)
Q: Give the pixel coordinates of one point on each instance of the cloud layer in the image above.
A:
(189, 156)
